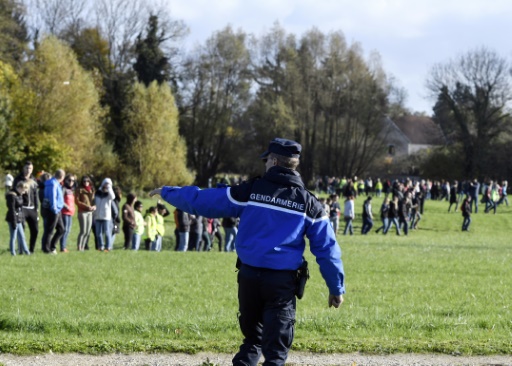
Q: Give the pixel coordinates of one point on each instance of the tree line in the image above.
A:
(106, 86)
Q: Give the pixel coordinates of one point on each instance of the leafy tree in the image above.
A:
(13, 98)
(335, 98)
(444, 163)
(358, 117)
(13, 32)
(120, 21)
(267, 117)
(151, 63)
(473, 92)
(91, 49)
(216, 91)
(63, 129)
(94, 53)
(103, 34)
(155, 154)
(270, 113)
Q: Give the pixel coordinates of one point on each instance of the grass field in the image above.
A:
(436, 290)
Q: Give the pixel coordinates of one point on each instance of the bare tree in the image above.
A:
(54, 16)
(473, 95)
(120, 21)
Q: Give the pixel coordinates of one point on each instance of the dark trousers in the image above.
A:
(466, 223)
(32, 220)
(367, 225)
(94, 233)
(218, 235)
(177, 238)
(194, 241)
(422, 205)
(402, 221)
(128, 234)
(266, 314)
(474, 200)
(207, 246)
(52, 222)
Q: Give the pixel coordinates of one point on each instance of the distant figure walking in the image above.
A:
(466, 213)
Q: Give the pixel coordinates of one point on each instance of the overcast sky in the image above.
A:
(411, 36)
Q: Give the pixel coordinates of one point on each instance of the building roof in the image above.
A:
(420, 130)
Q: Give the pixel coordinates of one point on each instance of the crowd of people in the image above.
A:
(59, 198)
(403, 201)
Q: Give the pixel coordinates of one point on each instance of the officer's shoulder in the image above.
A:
(315, 207)
(253, 179)
(243, 190)
(312, 196)
(246, 184)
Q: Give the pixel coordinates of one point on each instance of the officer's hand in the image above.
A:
(154, 192)
(335, 300)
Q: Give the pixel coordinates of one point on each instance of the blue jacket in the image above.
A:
(53, 193)
(276, 212)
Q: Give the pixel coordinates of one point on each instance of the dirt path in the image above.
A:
(295, 359)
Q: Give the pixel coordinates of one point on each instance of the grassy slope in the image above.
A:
(437, 290)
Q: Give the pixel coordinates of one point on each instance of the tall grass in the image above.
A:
(436, 290)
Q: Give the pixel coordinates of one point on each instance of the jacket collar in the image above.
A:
(280, 175)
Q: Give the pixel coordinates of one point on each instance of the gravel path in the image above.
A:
(295, 358)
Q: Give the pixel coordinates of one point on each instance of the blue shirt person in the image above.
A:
(52, 205)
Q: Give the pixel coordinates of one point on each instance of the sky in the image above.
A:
(411, 36)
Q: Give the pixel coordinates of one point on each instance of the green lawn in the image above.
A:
(437, 290)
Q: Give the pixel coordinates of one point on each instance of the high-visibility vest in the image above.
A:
(160, 228)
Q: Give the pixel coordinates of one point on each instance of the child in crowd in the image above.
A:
(151, 230)
(139, 225)
(160, 227)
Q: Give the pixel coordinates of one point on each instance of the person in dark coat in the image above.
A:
(128, 215)
(466, 213)
(454, 196)
(15, 219)
(183, 229)
(30, 202)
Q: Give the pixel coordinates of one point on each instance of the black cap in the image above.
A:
(283, 147)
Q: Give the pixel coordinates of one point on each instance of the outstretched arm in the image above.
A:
(156, 191)
(211, 202)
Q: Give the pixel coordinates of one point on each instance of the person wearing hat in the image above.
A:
(276, 214)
